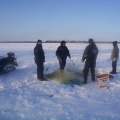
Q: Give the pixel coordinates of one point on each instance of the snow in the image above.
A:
(24, 97)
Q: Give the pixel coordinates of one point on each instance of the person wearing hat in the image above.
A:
(114, 57)
(62, 53)
(39, 60)
(90, 55)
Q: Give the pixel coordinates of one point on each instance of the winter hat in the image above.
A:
(39, 41)
(114, 43)
(63, 42)
(91, 40)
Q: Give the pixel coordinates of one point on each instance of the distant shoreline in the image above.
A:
(51, 42)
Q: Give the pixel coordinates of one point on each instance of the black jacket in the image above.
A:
(62, 52)
(90, 52)
(39, 54)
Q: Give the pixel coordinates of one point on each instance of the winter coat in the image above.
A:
(39, 54)
(62, 52)
(90, 53)
(115, 53)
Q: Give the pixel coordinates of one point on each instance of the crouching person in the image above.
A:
(114, 57)
(90, 55)
(39, 60)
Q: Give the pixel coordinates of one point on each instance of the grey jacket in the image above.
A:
(115, 54)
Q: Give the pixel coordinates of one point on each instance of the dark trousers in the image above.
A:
(114, 64)
(40, 69)
(62, 63)
(91, 65)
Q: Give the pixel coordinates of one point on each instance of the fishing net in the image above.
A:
(65, 77)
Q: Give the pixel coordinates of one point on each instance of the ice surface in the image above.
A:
(23, 97)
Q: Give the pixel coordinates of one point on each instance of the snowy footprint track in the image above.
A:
(95, 109)
(24, 86)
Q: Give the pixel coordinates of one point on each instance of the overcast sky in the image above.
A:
(30, 20)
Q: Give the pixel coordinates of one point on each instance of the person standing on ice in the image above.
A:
(62, 53)
(39, 60)
(114, 57)
(90, 55)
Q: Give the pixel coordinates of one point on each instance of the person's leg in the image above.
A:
(61, 64)
(92, 66)
(93, 74)
(112, 67)
(85, 71)
(64, 62)
(40, 69)
(114, 64)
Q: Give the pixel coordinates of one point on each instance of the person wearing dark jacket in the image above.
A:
(90, 55)
(114, 57)
(62, 53)
(39, 60)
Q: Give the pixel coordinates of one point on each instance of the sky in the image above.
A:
(30, 20)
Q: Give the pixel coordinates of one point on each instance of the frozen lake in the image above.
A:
(23, 97)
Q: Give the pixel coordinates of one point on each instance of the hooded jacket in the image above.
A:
(39, 54)
(115, 53)
(90, 52)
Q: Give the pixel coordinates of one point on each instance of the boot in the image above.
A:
(84, 82)
(44, 79)
(112, 72)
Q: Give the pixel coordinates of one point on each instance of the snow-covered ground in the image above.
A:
(24, 97)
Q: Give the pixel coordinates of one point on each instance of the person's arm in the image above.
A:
(58, 52)
(68, 53)
(85, 54)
